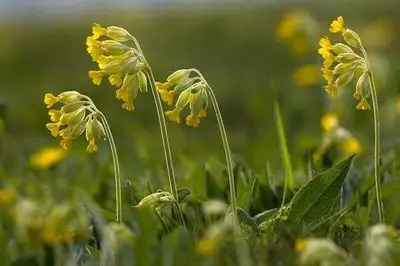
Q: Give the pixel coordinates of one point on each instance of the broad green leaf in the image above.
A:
(316, 198)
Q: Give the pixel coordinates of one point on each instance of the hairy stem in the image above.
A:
(375, 108)
(117, 173)
(166, 146)
(225, 143)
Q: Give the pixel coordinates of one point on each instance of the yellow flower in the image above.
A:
(66, 143)
(337, 25)
(350, 146)
(50, 99)
(55, 115)
(329, 122)
(203, 113)
(92, 146)
(329, 59)
(128, 105)
(96, 76)
(54, 128)
(332, 89)
(193, 120)
(174, 114)
(167, 96)
(47, 157)
(166, 86)
(363, 104)
(287, 27)
(325, 44)
(115, 79)
(122, 93)
(300, 245)
(94, 48)
(7, 196)
(207, 247)
(328, 74)
(306, 75)
(98, 31)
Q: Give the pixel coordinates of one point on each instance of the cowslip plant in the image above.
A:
(121, 59)
(191, 88)
(77, 115)
(343, 64)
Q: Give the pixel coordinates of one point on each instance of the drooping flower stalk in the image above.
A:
(128, 69)
(79, 114)
(345, 62)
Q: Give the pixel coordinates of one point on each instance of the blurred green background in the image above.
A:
(241, 48)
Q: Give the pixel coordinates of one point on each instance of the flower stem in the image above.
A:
(166, 146)
(225, 143)
(375, 108)
(117, 173)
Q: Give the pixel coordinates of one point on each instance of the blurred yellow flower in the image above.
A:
(329, 122)
(350, 146)
(7, 196)
(306, 75)
(207, 247)
(337, 25)
(287, 27)
(47, 157)
(300, 245)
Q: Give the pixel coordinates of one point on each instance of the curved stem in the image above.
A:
(225, 143)
(117, 173)
(166, 146)
(375, 108)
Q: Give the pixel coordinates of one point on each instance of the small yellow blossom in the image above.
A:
(327, 74)
(203, 113)
(325, 44)
(166, 86)
(98, 31)
(122, 93)
(47, 157)
(7, 196)
(54, 128)
(306, 75)
(167, 96)
(287, 27)
(92, 146)
(128, 105)
(94, 48)
(332, 89)
(300, 245)
(96, 76)
(337, 25)
(193, 120)
(174, 114)
(66, 143)
(115, 79)
(350, 146)
(329, 122)
(55, 115)
(207, 247)
(363, 104)
(50, 100)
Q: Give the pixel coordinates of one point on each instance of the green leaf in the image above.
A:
(316, 198)
(244, 197)
(289, 180)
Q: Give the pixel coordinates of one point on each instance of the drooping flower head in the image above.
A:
(190, 91)
(123, 64)
(341, 64)
(78, 114)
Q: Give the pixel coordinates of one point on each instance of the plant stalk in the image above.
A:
(227, 151)
(117, 173)
(166, 146)
(375, 108)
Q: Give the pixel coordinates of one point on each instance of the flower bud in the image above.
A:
(184, 84)
(195, 102)
(178, 76)
(183, 98)
(347, 57)
(118, 34)
(352, 38)
(69, 96)
(363, 85)
(156, 199)
(142, 80)
(345, 78)
(340, 48)
(344, 67)
(114, 48)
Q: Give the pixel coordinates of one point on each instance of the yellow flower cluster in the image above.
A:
(336, 137)
(47, 157)
(191, 91)
(124, 65)
(342, 64)
(78, 114)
